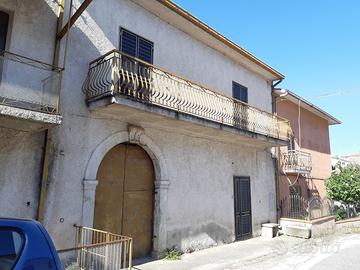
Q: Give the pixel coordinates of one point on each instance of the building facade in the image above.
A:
(343, 161)
(163, 131)
(305, 163)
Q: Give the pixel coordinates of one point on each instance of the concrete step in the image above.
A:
(297, 231)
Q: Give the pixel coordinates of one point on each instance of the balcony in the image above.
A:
(117, 78)
(29, 93)
(296, 162)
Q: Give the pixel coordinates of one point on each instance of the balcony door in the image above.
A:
(125, 195)
(242, 208)
(134, 46)
(240, 110)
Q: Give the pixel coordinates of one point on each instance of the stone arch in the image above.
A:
(137, 136)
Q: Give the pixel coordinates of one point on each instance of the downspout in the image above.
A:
(276, 161)
(273, 96)
(48, 146)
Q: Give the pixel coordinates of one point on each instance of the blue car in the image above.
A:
(26, 245)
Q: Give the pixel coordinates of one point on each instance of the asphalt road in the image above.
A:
(333, 252)
(347, 257)
(339, 252)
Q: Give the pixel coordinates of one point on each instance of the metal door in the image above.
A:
(242, 207)
(125, 196)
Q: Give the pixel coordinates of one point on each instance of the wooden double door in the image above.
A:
(124, 200)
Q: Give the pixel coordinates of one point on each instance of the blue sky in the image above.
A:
(314, 43)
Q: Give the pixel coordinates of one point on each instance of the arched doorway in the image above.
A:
(124, 199)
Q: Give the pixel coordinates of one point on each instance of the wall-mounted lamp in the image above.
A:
(281, 92)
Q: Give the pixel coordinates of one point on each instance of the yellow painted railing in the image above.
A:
(100, 250)
(117, 73)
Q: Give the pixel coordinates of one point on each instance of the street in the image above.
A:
(338, 252)
(283, 253)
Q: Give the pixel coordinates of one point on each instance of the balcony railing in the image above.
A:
(29, 84)
(117, 73)
(295, 161)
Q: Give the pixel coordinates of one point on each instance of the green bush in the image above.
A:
(172, 254)
(344, 185)
(340, 213)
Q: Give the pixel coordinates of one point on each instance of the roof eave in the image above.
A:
(331, 119)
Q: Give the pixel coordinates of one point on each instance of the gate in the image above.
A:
(297, 207)
(101, 250)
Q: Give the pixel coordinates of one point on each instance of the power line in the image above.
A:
(338, 93)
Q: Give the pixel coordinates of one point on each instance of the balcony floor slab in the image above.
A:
(27, 120)
(152, 116)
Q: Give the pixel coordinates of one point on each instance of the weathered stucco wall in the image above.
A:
(98, 30)
(20, 157)
(32, 28)
(200, 207)
(31, 33)
(200, 199)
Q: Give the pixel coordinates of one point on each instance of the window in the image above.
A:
(4, 22)
(10, 247)
(136, 46)
(240, 92)
(295, 190)
(291, 143)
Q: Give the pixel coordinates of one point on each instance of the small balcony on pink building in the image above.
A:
(296, 162)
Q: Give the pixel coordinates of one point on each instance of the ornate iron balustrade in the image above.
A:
(297, 207)
(117, 73)
(295, 161)
(29, 84)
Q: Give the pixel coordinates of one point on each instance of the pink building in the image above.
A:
(305, 163)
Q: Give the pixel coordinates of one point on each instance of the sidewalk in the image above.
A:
(230, 256)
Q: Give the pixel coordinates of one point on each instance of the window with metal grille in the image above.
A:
(240, 92)
(295, 190)
(291, 144)
(136, 46)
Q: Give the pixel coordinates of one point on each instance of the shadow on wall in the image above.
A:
(191, 239)
(20, 160)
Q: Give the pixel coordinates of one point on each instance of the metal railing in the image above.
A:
(29, 84)
(298, 207)
(295, 161)
(101, 250)
(117, 73)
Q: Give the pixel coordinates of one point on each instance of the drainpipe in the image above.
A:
(48, 147)
(273, 96)
(61, 31)
(276, 161)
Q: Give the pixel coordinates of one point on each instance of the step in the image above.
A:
(297, 231)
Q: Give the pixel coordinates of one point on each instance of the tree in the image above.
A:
(344, 185)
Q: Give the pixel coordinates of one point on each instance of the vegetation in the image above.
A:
(340, 212)
(344, 186)
(172, 254)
